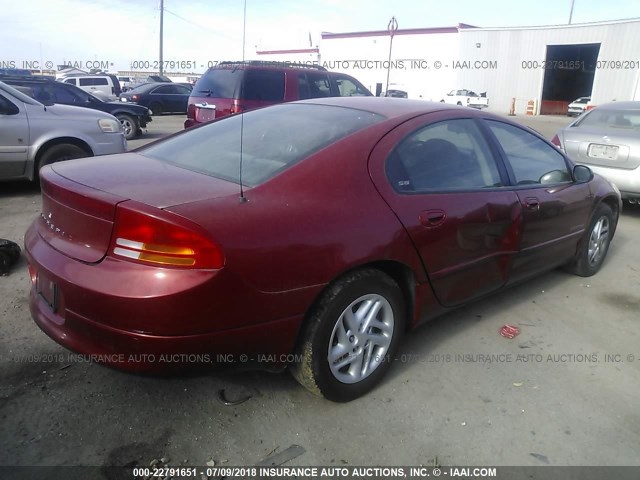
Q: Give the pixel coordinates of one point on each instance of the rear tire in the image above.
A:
(351, 336)
(595, 244)
(156, 108)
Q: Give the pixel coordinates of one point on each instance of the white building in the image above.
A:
(549, 65)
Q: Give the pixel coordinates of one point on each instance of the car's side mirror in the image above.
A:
(582, 174)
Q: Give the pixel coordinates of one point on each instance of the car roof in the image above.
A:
(388, 106)
(620, 106)
(271, 65)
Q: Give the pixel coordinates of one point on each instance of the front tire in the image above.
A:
(595, 244)
(351, 336)
(129, 125)
(58, 153)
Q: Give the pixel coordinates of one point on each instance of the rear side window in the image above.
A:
(273, 140)
(263, 85)
(448, 155)
(219, 83)
(532, 160)
(72, 81)
(164, 90)
(85, 82)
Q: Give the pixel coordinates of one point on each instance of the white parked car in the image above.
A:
(33, 134)
(466, 98)
(578, 106)
(105, 86)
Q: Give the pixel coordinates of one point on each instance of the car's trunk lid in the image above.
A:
(76, 220)
(79, 197)
(595, 147)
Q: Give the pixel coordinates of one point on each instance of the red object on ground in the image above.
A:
(509, 331)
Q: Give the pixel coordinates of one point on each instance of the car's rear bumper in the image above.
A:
(117, 314)
(189, 122)
(256, 346)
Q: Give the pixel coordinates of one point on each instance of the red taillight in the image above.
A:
(135, 98)
(236, 107)
(191, 111)
(162, 239)
(556, 141)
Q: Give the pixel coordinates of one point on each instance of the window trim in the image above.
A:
(493, 151)
(505, 159)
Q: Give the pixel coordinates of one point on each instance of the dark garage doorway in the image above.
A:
(569, 74)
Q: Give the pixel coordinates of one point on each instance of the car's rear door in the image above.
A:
(556, 210)
(440, 176)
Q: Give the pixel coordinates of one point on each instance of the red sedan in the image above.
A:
(310, 235)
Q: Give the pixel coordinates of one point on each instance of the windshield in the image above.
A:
(274, 139)
(612, 119)
(18, 94)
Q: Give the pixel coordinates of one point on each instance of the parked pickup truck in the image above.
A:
(466, 97)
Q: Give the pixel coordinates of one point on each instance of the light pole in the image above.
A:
(571, 11)
(161, 39)
(391, 28)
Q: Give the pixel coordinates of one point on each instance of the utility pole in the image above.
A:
(571, 11)
(391, 28)
(161, 39)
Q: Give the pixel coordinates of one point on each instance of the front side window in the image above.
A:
(7, 107)
(532, 160)
(319, 86)
(348, 88)
(448, 155)
(63, 95)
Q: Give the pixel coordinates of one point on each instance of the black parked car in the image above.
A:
(159, 97)
(132, 117)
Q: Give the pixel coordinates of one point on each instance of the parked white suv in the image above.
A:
(33, 135)
(105, 87)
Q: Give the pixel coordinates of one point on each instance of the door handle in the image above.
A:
(432, 218)
(532, 203)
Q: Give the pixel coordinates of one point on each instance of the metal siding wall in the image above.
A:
(510, 48)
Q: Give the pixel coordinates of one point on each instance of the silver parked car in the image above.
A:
(607, 139)
(33, 135)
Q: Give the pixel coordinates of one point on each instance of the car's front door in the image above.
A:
(14, 138)
(556, 210)
(440, 176)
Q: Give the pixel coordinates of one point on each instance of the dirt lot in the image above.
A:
(564, 392)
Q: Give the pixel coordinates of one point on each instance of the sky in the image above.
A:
(125, 33)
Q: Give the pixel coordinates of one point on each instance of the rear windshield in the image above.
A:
(219, 83)
(612, 119)
(274, 138)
